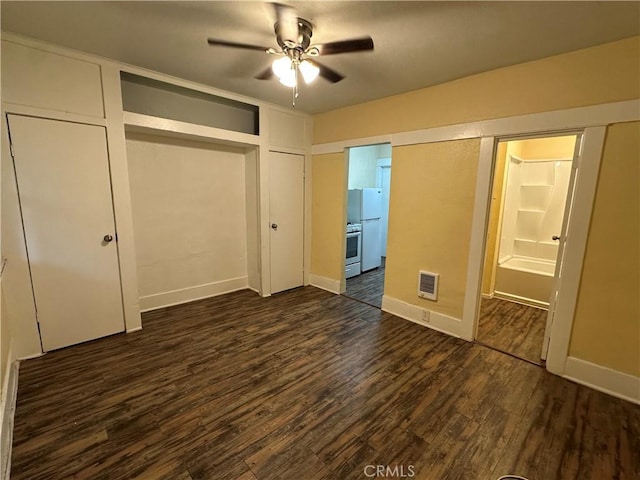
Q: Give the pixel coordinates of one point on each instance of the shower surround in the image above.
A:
(534, 202)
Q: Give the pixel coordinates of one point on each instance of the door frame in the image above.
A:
(567, 210)
(382, 164)
(576, 237)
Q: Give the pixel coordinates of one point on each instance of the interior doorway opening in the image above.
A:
(532, 188)
(368, 191)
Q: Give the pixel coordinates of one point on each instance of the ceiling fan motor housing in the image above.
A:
(305, 31)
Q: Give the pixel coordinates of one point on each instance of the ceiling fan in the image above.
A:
(296, 55)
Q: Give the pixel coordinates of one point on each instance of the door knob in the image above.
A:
(555, 237)
(107, 238)
(274, 226)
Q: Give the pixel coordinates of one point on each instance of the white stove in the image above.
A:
(352, 266)
(354, 227)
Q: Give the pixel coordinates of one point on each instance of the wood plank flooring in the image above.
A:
(513, 328)
(368, 287)
(307, 385)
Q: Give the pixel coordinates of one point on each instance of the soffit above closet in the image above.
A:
(417, 44)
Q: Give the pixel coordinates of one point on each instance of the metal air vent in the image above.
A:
(428, 285)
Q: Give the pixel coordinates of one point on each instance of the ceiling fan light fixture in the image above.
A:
(289, 79)
(309, 71)
(281, 67)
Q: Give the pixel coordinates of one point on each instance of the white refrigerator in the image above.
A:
(365, 207)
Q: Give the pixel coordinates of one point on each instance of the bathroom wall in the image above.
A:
(505, 149)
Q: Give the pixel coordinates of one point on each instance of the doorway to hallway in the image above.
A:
(369, 185)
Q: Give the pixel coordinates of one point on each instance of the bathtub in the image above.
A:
(525, 280)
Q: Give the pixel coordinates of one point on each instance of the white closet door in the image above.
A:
(62, 170)
(286, 207)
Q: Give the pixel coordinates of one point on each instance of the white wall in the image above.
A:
(253, 222)
(362, 166)
(363, 163)
(189, 217)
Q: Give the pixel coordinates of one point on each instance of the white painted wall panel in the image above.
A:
(363, 164)
(288, 130)
(189, 216)
(54, 82)
(253, 224)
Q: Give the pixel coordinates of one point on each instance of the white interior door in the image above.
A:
(62, 171)
(286, 207)
(562, 240)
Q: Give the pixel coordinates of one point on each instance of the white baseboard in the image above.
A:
(7, 413)
(190, 294)
(521, 300)
(325, 283)
(603, 379)
(422, 316)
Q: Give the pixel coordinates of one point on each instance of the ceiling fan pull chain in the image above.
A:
(295, 86)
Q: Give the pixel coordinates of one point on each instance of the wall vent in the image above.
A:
(428, 285)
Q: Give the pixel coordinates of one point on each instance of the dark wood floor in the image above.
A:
(307, 385)
(368, 287)
(513, 328)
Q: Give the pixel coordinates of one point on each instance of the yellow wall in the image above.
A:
(548, 147)
(328, 215)
(602, 74)
(493, 229)
(430, 212)
(580, 78)
(606, 329)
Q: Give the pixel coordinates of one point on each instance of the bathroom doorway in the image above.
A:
(368, 190)
(531, 184)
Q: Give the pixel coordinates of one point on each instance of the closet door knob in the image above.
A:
(274, 226)
(107, 238)
(555, 237)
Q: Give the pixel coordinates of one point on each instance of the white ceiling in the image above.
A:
(417, 44)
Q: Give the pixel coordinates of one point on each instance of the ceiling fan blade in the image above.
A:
(328, 73)
(287, 21)
(345, 46)
(226, 43)
(266, 74)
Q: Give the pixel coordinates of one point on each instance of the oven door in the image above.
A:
(354, 245)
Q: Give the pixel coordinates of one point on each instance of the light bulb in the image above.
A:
(309, 71)
(283, 68)
(289, 78)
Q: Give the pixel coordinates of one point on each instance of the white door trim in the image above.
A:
(559, 270)
(544, 122)
(576, 240)
(575, 246)
(478, 242)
